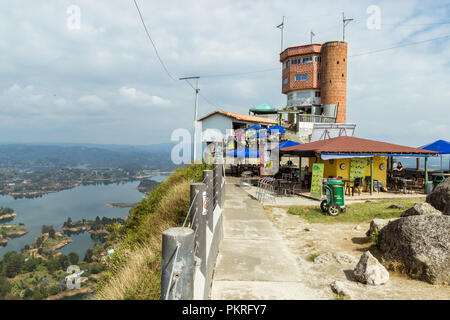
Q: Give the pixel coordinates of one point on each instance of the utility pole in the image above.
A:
(312, 35)
(345, 21)
(195, 112)
(281, 27)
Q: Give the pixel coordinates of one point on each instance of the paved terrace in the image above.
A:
(254, 262)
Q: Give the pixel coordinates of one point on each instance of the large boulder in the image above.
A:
(440, 197)
(447, 209)
(378, 224)
(420, 209)
(370, 271)
(418, 246)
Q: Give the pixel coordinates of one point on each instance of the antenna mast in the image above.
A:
(345, 22)
(281, 27)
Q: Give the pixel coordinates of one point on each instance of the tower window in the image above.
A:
(337, 62)
(307, 60)
(301, 77)
(317, 94)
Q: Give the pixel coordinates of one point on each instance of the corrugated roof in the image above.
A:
(242, 117)
(345, 144)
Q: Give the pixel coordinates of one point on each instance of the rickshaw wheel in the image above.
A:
(334, 209)
(323, 206)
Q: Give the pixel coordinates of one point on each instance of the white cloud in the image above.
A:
(142, 99)
(77, 78)
(92, 100)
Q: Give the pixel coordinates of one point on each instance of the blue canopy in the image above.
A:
(255, 127)
(288, 143)
(279, 128)
(243, 153)
(441, 146)
(258, 135)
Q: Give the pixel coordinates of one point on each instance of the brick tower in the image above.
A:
(314, 79)
(334, 77)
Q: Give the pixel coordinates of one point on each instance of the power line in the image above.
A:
(399, 46)
(413, 24)
(160, 59)
(151, 40)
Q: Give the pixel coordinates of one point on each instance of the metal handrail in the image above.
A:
(169, 289)
(190, 208)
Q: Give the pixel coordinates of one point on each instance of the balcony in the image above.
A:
(315, 118)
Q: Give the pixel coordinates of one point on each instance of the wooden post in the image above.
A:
(426, 173)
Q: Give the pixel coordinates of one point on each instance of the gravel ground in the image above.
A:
(335, 249)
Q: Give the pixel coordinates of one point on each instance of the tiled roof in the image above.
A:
(242, 117)
(345, 144)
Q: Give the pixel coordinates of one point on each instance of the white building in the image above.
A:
(218, 124)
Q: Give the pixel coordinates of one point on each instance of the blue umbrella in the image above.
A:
(255, 127)
(288, 143)
(243, 153)
(279, 128)
(441, 146)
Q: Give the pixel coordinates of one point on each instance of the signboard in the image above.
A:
(205, 210)
(357, 168)
(316, 180)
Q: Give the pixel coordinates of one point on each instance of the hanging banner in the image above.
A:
(357, 168)
(316, 180)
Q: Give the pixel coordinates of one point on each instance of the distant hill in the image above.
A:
(22, 156)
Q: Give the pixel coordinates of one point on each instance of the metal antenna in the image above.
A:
(195, 111)
(345, 21)
(312, 35)
(281, 27)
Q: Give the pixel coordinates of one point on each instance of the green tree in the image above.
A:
(45, 229)
(96, 268)
(53, 265)
(27, 295)
(31, 264)
(14, 265)
(88, 255)
(63, 261)
(53, 290)
(74, 258)
(51, 233)
(5, 287)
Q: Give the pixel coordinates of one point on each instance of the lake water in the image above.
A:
(83, 202)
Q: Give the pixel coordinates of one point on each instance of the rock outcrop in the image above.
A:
(378, 224)
(339, 288)
(419, 246)
(440, 197)
(370, 271)
(420, 209)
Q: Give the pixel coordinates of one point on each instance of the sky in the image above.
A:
(103, 82)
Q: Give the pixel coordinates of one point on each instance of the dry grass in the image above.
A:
(129, 281)
(134, 270)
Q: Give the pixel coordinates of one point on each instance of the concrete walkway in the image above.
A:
(254, 262)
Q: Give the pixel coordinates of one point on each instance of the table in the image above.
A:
(405, 182)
